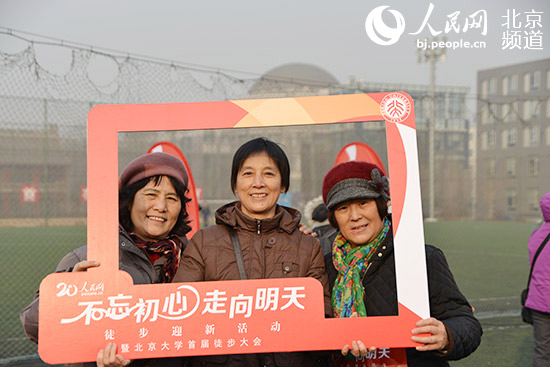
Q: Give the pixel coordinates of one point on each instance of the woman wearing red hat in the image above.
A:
(361, 270)
(153, 222)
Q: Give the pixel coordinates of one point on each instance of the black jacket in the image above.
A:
(447, 303)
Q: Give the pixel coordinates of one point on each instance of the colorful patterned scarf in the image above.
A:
(170, 248)
(351, 264)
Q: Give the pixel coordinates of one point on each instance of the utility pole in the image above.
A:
(432, 55)
(45, 173)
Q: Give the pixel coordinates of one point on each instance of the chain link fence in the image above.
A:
(43, 165)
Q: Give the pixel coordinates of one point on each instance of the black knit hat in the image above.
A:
(320, 213)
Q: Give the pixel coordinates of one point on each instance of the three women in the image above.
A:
(264, 238)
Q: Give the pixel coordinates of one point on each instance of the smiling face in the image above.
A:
(359, 221)
(258, 186)
(155, 210)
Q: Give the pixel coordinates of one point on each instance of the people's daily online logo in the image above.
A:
(520, 30)
(379, 32)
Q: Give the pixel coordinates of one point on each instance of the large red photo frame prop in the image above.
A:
(81, 312)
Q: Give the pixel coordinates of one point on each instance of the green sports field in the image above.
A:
(29, 255)
(489, 261)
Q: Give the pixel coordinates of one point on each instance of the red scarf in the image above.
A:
(170, 248)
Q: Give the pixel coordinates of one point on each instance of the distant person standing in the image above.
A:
(325, 232)
(538, 299)
(205, 213)
(317, 213)
(320, 220)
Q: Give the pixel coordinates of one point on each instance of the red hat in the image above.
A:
(354, 180)
(153, 164)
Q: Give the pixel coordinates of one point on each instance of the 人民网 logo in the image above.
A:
(379, 32)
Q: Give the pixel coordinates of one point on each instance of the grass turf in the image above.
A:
(488, 259)
(29, 255)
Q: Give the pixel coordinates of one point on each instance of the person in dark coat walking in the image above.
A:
(361, 270)
(316, 214)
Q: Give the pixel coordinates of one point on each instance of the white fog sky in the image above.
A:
(256, 36)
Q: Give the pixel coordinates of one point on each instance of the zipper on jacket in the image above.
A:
(259, 231)
(363, 278)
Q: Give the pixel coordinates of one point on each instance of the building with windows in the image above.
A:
(37, 177)
(313, 151)
(513, 149)
(453, 191)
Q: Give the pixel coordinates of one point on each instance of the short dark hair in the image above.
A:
(126, 196)
(260, 145)
(381, 205)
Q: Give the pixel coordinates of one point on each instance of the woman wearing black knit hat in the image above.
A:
(361, 270)
(153, 223)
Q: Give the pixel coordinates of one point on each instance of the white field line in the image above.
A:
(500, 328)
(490, 299)
(493, 254)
